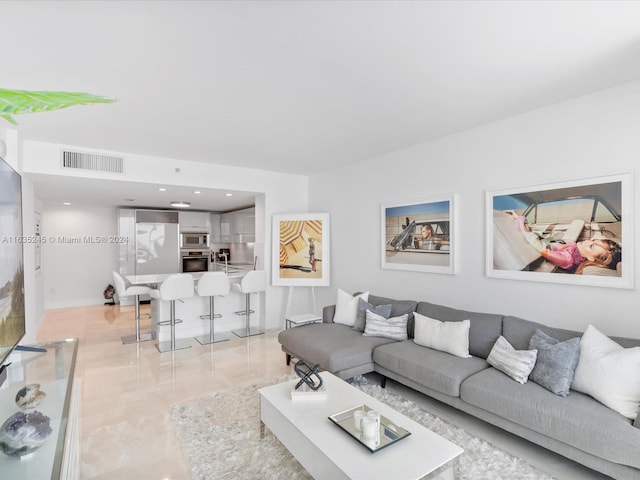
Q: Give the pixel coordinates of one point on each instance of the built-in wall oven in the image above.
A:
(195, 261)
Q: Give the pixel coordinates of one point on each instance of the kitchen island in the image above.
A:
(189, 310)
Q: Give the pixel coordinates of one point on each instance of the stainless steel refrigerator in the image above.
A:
(157, 242)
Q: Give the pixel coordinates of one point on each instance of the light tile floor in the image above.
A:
(127, 391)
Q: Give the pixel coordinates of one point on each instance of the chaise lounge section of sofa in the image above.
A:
(335, 347)
(577, 426)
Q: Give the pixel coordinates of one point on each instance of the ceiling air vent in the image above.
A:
(92, 161)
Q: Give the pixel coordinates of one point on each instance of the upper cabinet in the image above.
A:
(225, 227)
(199, 222)
(238, 226)
(215, 228)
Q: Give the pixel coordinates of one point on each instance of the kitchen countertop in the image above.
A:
(191, 310)
(232, 268)
(156, 278)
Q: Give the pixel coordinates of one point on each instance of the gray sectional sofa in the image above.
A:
(576, 426)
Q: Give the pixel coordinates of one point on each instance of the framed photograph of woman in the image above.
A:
(571, 232)
(301, 249)
(419, 237)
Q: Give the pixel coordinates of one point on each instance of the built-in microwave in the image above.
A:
(194, 240)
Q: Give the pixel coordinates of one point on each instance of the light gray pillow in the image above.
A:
(361, 317)
(394, 327)
(556, 363)
(515, 363)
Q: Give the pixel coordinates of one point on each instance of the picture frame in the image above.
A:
(419, 236)
(301, 249)
(569, 232)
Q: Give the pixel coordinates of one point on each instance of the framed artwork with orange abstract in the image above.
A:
(301, 249)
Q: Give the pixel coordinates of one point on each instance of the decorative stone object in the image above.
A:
(307, 372)
(23, 433)
(30, 396)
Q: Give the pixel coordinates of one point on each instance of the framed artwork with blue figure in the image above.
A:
(419, 236)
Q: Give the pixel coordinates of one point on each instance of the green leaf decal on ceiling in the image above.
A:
(15, 102)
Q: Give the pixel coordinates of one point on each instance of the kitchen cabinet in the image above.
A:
(238, 226)
(225, 227)
(198, 222)
(215, 228)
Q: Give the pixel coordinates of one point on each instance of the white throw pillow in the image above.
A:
(515, 363)
(347, 307)
(609, 372)
(449, 337)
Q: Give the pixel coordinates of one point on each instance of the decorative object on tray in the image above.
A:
(369, 428)
(30, 396)
(23, 433)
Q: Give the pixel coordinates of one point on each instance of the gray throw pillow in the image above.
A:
(394, 327)
(636, 422)
(556, 363)
(517, 364)
(361, 317)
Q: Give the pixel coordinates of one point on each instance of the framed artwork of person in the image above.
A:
(301, 253)
(419, 236)
(570, 232)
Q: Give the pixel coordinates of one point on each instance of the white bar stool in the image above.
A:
(253, 282)
(176, 287)
(212, 284)
(133, 290)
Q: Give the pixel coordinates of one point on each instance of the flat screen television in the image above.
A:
(12, 321)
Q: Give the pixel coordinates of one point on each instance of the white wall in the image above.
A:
(76, 269)
(586, 137)
(280, 193)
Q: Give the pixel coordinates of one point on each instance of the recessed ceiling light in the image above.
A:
(228, 194)
(162, 189)
(180, 204)
(66, 203)
(197, 192)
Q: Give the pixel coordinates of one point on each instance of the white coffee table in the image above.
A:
(327, 452)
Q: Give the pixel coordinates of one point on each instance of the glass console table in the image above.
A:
(53, 370)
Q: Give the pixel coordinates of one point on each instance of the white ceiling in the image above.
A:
(87, 192)
(305, 86)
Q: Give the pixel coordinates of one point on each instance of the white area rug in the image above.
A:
(220, 438)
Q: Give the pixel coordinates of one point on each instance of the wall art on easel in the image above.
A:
(419, 236)
(301, 249)
(571, 232)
